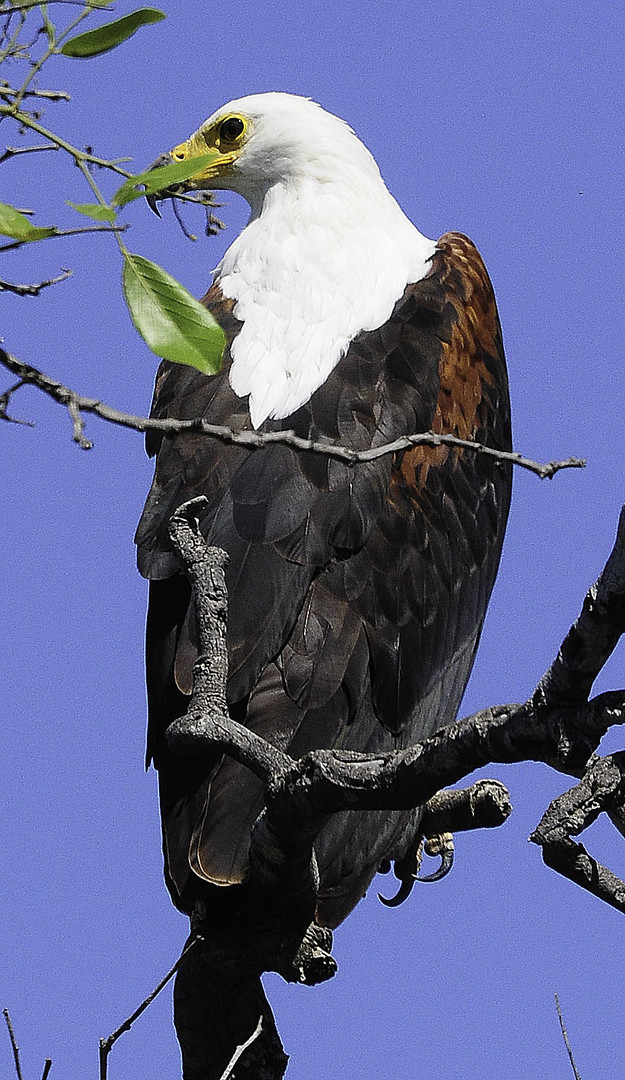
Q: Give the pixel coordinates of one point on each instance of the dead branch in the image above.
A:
(14, 1046)
(106, 1045)
(601, 789)
(257, 439)
(301, 794)
(9, 92)
(32, 290)
(274, 927)
(566, 1039)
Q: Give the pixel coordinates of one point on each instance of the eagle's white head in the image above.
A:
(327, 251)
(277, 140)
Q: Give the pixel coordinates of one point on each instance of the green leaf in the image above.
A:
(94, 210)
(18, 227)
(109, 36)
(170, 320)
(157, 179)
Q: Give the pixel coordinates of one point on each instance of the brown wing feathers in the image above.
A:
(357, 595)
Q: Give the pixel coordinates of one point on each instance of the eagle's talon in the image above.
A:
(447, 861)
(441, 844)
(402, 893)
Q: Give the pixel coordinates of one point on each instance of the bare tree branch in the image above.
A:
(593, 636)
(301, 794)
(257, 439)
(240, 1050)
(557, 725)
(601, 789)
(106, 1045)
(566, 1039)
(32, 290)
(4, 406)
(9, 92)
(14, 1046)
(13, 151)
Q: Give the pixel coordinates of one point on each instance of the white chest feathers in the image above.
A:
(313, 269)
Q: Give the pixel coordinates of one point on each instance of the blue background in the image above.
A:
(504, 122)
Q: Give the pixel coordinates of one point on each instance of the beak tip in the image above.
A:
(152, 203)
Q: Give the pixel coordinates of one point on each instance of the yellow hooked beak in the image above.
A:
(196, 147)
(222, 140)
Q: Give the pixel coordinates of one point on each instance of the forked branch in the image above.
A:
(558, 725)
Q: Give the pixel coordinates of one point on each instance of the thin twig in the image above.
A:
(106, 1045)
(79, 426)
(68, 232)
(32, 290)
(240, 1050)
(75, 3)
(46, 1068)
(256, 439)
(51, 95)
(13, 151)
(28, 121)
(566, 1039)
(4, 405)
(16, 1049)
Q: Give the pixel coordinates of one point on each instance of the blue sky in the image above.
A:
(504, 122)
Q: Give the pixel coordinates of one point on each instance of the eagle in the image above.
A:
(357, 592)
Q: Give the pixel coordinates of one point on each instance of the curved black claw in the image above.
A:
(402, 893)
(152, 202)
(447, 861)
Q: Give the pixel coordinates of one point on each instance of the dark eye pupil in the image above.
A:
(231, 129)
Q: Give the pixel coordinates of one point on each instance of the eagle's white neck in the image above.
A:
(318, 262)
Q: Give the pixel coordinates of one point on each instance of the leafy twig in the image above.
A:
(68, 232)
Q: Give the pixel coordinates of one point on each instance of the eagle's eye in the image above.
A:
(231, 129)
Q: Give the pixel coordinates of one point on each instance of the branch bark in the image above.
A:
(557, 725)
(255, 439)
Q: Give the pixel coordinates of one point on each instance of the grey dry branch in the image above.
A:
(301, 794)
(106, 1045)
(566, 1039)
(32, 290)
(15, 1048)
(257, 439)
(8, 92)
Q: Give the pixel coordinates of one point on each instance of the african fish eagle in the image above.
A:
(356, 593)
